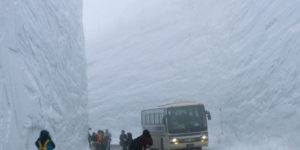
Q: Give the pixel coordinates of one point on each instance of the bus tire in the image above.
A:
(162, 144)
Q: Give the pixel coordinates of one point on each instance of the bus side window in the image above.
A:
(151, 118)
(159, 118)
(147, 119)
(164, 120)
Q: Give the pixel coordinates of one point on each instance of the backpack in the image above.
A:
(49, 147)
(45, 146)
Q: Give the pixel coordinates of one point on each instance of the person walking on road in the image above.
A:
(146, 140)
(90, 137)
(99, 140)
(142, 142)
(123, 140)
(44, 142)
(94, 141)
(107, 136)
(129, 140)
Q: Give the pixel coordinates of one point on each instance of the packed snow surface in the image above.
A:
(239, 57)
(43, 82)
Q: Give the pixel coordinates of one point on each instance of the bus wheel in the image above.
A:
(162, 144)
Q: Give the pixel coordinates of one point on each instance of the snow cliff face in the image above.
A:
(240, 58)
(42, 73)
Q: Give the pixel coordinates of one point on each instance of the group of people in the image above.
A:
(100, 140)
(125, 140)
(140, 143)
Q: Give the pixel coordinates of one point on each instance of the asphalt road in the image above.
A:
(118, 147)
(115, 147)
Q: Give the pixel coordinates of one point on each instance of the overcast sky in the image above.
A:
(103, 16)
(98, 15)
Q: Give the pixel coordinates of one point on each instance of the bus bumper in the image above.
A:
(188, 145)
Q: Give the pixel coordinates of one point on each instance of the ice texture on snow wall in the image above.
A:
(240, 56)
(42, 73)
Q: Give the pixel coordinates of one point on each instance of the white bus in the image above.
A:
(177, 125)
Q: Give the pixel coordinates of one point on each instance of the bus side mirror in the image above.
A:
(208, 115)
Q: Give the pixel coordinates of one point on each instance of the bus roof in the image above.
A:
(176, 104)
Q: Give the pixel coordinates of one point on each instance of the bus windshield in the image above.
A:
(186, 119)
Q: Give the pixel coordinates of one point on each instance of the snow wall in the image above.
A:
(240, 58)
(43, 82)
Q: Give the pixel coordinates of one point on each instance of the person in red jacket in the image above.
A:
(99, 140)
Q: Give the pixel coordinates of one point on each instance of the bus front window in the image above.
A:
(186, 119)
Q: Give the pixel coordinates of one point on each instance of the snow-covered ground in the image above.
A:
(43, 81)
(242, 56)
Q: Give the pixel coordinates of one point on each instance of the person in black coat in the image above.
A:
(45, 140)
(123, 140)
(129, 140)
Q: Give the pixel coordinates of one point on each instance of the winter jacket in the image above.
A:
(50, 143)
(99, 138)
(141, 143)
(123, 140)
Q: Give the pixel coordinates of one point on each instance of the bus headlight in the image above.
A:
(174, 140)
(204, 137)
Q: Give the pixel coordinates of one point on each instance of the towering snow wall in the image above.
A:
(239, 57)
(42, 73)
